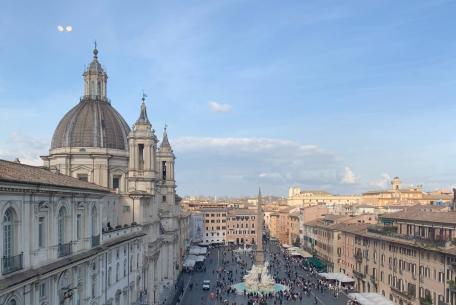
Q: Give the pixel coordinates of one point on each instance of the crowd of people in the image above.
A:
(302, 281)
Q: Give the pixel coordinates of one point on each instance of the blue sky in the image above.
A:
(328, 95)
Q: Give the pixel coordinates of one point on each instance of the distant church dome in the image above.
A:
(93, 122)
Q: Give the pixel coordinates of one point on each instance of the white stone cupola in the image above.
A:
(165, 166)
(95, 79)
(142, 144)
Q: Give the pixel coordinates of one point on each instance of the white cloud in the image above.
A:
(382, 182)
(235, 166)
(348, 176)
(24, 147)
(218, 107)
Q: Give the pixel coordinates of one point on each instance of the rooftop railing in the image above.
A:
(64, 249)
(419, 240)
(11, 264)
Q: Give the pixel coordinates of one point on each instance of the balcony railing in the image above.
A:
(64, 249)
(402, 293)
(359, 274)
(419, 240)
(12, 263)
(96, 240)
(358, 257)
(95, 97)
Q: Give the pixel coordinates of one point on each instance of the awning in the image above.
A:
(317, 263)
(337, 276)
(200, 258)
(370, 298)
(286, 246)
(299, 252)
(189, 263)
(195, 250)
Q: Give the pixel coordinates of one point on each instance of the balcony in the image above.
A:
(96, 240)
(402, 293)
(109, 234)
(373, 279)
(95, 97)
(358, 274)
(12, 263)
(64, 249)
(358, 257)
(382, 230)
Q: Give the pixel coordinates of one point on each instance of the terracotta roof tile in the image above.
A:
(21, 173)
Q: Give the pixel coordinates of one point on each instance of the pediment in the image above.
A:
(81, 167)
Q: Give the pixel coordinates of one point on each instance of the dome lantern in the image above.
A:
(95, 80)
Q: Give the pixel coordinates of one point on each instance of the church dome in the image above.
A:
(91, 123)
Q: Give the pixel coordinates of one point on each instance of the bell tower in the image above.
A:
(165, 160)
(142, 144)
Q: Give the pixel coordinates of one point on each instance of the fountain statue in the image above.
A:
(257, 279)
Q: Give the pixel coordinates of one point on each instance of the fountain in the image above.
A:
(257, 279)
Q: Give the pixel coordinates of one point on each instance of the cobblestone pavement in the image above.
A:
(195, 295)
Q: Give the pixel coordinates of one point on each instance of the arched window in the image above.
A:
(8, 233)
(61, 226)
(92, 88)
(117, 272)
(99, 88)
(12, 302)
(94, 222)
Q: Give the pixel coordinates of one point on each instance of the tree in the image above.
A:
(427, 300)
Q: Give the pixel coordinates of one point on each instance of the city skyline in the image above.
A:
(345, 99)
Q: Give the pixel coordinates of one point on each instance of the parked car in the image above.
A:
(206, 285)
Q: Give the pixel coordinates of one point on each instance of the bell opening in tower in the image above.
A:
(164, 170)
(141, 156)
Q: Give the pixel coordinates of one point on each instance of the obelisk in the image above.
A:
(259, 256)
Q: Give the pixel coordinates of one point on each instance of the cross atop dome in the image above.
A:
(95, 50)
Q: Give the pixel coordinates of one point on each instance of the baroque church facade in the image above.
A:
(107, 228)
